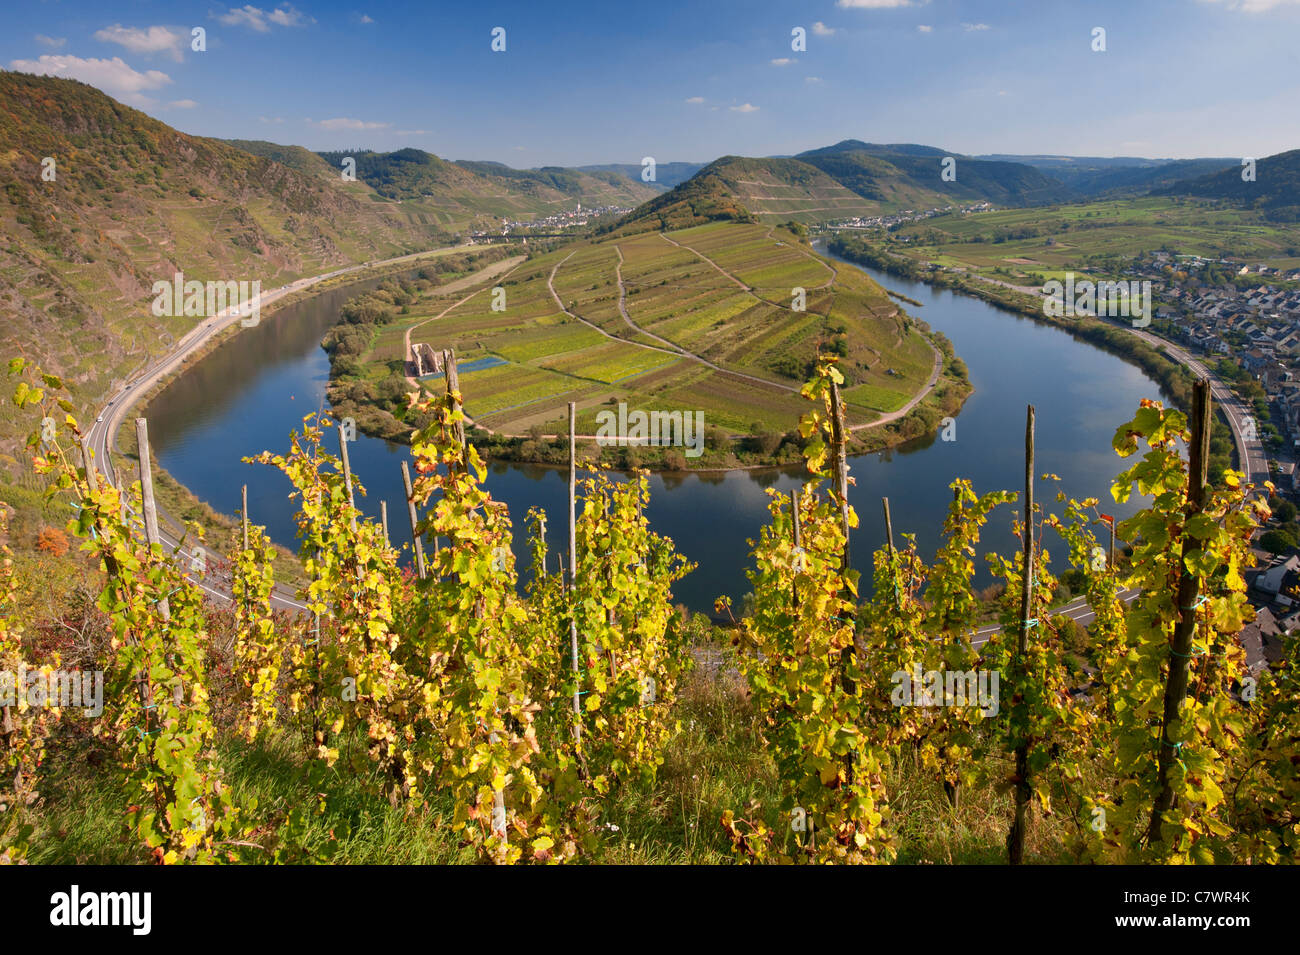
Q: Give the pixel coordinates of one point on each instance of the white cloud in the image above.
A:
(695, 99)
(975, 27)
(821, 29)
(413, 132)
(182, 104)
(872, 4)
(152, 40)
(924, 28)
(744, 108)
(53, 42)
(112, 76)
(812, 79)
(271, 120)
(365, 18)
(1254, 6)
(258, 19)
(782, 61)
(344, 122)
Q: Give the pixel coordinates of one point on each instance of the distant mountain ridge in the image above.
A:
(667, 174)
(470, 188)
(874, 171)
(1274, 188)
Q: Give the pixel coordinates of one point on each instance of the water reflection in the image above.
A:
(250, 393)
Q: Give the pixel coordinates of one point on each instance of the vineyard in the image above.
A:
(542, 717)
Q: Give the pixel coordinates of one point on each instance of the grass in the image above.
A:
(717, 761)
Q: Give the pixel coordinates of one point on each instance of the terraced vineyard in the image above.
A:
(701, 319)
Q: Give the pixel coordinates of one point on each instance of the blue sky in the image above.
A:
(587, 82)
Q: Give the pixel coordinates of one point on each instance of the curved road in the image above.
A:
(100, 436)
(1252, 461)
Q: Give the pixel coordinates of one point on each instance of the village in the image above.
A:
(895, 219)
(1256, 326)
(555, 223)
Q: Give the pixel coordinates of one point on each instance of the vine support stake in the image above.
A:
(88, 462)
(383, 521)
(797, 522)
(1189, 588)
(243, 513)
(573, 567)
(147, 500)
(1016, 838)
(452, 378)
(347, 473)
(889, 525)
(1111, 522)
(415, 521)
(841, 464)
(839, 442)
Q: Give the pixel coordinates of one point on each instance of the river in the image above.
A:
(248, 394)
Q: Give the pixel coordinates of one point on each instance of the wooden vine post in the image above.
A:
(1111, 522)
(1189, 590)
(153, 537)
(1016, 838)
(798, 543)
(243, 514)
(573, 565)
(889, 526)
(147, 499)
(347, 474)
(840, 478)
(415, 521)
(452, 377)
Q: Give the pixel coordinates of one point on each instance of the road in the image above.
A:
(1250, 450)
(1077, 610)
(100, 435)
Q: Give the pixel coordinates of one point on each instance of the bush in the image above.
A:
(52, 541)
(1276, 542)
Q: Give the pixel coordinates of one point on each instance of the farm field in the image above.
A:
(1036, 244)
(701, 319)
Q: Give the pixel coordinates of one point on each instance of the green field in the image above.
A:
(710, 326)
(1029, 246)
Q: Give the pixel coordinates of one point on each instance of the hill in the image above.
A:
(908, 173)
(734, 187)
(468, 193)
(298, 158)
(848, 179)
(667, 174)
(550, 184)
(1112, 176)
(133, 201)
(1275, 189)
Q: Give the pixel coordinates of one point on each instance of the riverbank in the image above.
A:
(364, 387)
(1172, 376)
(113, 442)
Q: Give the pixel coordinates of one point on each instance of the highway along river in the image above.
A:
(247, 396)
